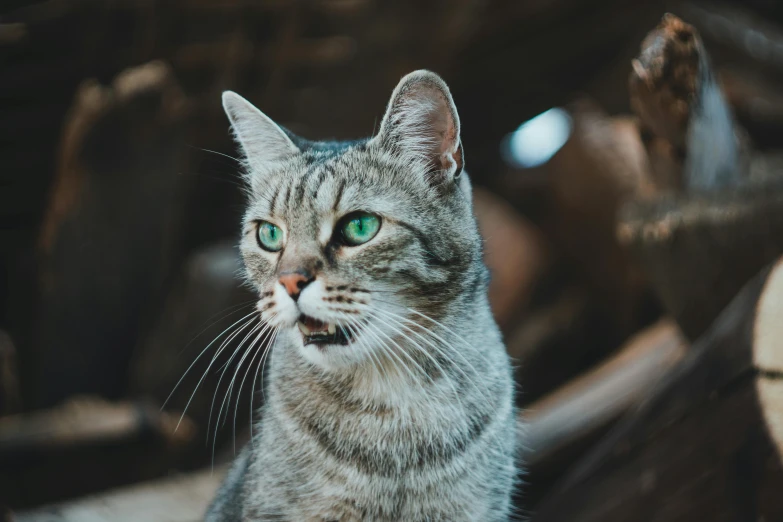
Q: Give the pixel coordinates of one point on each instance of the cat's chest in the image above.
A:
(382, 441)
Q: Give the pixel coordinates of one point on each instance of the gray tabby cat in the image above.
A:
(389, 392)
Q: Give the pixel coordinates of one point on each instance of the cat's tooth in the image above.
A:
(332, 329)
(303, 328)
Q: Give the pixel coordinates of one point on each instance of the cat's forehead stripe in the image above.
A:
(324, 170)
(273, 203)
(320, 164)
(339, 195)
(328, 170)
(287, 198)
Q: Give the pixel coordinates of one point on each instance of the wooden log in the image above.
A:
(515, 252)
(86, 422)
(86, 445)
(602, 166)
(109, 236)
(322, 52)
(678, 100)
(541, 325)
(590, 402)
(325, 6)
(561, 426)
(707, 443)
(12, 33)
(10, 391)
(699, 250)
(757, 102)
(750, 36)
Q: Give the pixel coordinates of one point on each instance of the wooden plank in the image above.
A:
(85, 422)
(704, 446)
(588, 403)
(179, 499)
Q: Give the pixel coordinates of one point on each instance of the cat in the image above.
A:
(389, 394)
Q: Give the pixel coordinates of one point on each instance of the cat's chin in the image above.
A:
(326, 345)
(331, 357)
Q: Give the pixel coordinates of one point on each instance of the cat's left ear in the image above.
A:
(421, 125)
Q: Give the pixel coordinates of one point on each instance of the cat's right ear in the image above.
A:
(261, 139)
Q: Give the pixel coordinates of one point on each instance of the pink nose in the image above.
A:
(294, 282)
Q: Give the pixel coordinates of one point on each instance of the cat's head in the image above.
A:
(351, 245)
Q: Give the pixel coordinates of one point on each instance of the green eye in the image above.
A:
(270, 237)
(360, 227)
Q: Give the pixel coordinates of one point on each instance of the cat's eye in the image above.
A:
(359, 228)
(270, 236)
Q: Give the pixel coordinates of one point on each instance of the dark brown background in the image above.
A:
(117, 219)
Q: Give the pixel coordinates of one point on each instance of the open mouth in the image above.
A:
(320, 333)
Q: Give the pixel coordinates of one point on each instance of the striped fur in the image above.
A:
(414, 420)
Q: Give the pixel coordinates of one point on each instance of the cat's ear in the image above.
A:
(421, 125)
(261, 139)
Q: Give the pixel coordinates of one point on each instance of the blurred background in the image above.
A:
(614, 236)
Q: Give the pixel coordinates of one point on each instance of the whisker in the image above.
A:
(262, 327)
(385, 351)
(405, 353)
(443, 372)
(227, 399)
(260, 349)
(440, 349)
(445, 328)
(365, 348)
(214, 152)
(266, 358)
(224, 367)
(208, 367)
(199, 356)
(377, 363)
(253, 330)
(261, 362)
(481, 391)
(236, 308)
(370, 330)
